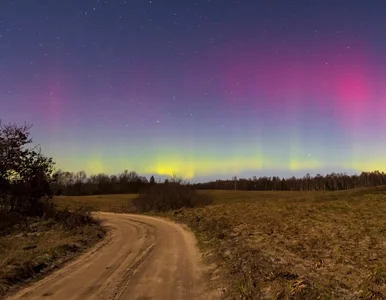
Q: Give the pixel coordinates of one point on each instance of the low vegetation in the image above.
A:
(170, 196)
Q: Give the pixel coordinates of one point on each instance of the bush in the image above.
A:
(163, 197)
(73, 219)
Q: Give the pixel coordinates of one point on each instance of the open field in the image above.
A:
(290, 245)
(106, 203)
(277, 246)
(119, 202)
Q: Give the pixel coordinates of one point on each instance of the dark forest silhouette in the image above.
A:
(79, 183)
(329, 182)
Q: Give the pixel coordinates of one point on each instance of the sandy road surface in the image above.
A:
(142, 258)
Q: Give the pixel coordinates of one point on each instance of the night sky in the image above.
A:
(203, 89)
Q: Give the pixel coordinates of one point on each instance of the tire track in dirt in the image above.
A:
(141, 258)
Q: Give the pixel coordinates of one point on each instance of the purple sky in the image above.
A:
(202, 89)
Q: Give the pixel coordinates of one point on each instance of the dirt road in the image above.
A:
(142, 258)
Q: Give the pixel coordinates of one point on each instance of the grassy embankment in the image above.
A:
(35, 247)
(289, 245)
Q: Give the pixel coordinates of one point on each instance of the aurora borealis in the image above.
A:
(202, 89)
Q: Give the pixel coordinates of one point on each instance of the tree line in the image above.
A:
(71, 184)
(329, 182)
(78, 183)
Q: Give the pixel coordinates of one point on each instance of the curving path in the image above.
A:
(142, 258)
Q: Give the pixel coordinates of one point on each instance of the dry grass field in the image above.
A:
(295, 245)
(38, 248)
(287, 245)
(107, 203)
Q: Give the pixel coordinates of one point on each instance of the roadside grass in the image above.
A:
(287, 244)
(37, 247)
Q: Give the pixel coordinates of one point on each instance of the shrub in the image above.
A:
(163, 197)
(73, 219)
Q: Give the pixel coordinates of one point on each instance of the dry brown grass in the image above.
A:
(225, 197)
(295, 245)
(287, 245)
(107, 203)
(41, 246)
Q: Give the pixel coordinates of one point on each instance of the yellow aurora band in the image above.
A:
(188, 164)
(191, 166)
(370, 164)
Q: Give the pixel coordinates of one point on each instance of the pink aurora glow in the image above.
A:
(342, 79)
